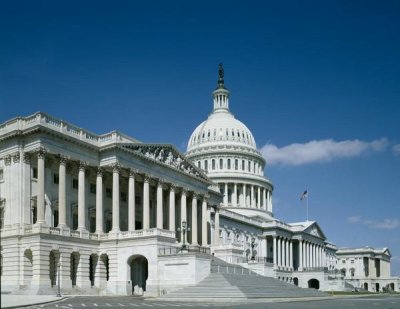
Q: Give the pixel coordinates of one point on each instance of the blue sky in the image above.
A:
(317, 82)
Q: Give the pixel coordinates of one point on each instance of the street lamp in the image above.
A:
(58, 281)
(183, 229)
(252, 248)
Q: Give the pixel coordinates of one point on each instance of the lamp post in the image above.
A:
(252, 248)
(58, 281)
(183, 229)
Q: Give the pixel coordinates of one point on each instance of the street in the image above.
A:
(373, 301)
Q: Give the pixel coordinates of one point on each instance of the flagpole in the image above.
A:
(307, 197)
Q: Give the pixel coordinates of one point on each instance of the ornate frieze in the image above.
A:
(168, 156)
(100, 171)
(41, 152)
(27, 157)
(116, 167)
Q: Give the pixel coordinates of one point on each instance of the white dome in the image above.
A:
(221, 127)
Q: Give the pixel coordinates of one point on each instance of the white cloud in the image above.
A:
(353, 219)
(385, 224)
(319, 151)
(396, 149)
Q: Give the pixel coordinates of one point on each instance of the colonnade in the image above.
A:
(283, 252)
(247, 195)
(116, 175)
(309, 254)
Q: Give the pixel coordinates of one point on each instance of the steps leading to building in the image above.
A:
(226, 284)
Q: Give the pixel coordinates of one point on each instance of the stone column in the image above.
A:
(159, 205)
(242, 199)
(41, 188)
(307, 254)
(204, 236)
(234, 195)
(286, 252)
(115, 198)
(81, 197)
(172, 208)
(263, 246)
(274, 250)
(300, 254)
(62, 204)
(279, 251)
(252, 199)
(216, 233)
(131, 201)
(194, 220)
(226, 195)
(244, 196)
(146, 203)
(99, 201)
(264, 199)
(291, 254)
(184, 211)
(258, 197)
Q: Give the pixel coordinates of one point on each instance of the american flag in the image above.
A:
(304, 195)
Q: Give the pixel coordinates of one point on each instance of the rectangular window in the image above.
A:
(56, 179)
(34, 173)
(108, 192)
(229, 164)
(352, 261)
(93, 188)
(1, 174)
(243, 165)
(75, 183)
(123, 196)
(236, 164)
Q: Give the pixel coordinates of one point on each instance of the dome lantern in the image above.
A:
(221, 94)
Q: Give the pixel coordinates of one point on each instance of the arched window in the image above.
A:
(236, 164)
(205, 165)
(229, 164)
(213, 164)
(221, 164)
(199, 164)
(249, 166)
(243, 165)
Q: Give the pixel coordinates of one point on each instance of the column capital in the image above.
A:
(146, 178)
(133, 172)
(62, 159)
(172, 187)
(100, 171)
(16, 157)
(195, 196)
(184, 191)
(116, 167)
(160, 182)
(27, 157)
(7, 160)
(41, 152)
(82, 165)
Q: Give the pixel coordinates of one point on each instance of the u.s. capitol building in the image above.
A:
(109, 214)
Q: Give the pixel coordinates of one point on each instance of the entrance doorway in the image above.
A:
(377, 287)
(138, 273)
(366, 286)
(313, 284)
(296, 281)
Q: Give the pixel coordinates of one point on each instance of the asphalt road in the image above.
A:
(380, 301)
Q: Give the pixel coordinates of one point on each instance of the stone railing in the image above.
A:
(165, 251)
(23, 123)
(33, 229)
(243, 218)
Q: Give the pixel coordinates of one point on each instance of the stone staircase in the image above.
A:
(233, 282)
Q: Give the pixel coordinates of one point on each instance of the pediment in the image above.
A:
(168, 155)
(315, 230)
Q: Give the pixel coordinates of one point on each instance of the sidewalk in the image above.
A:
(18, 301)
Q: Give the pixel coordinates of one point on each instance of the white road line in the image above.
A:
(109, 305)
(146, 305)
(161, 305)
(121, 305)
(83, 305)
(95, 305)
(136, 305)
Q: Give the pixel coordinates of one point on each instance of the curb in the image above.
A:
(34, 304)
